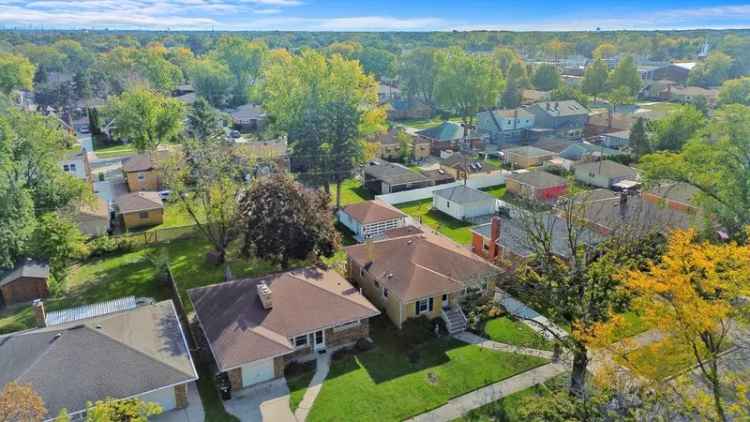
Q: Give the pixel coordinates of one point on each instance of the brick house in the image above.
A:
(27, 281)
(137, 353)
(140, 209)
(255, 327)
(536, 185)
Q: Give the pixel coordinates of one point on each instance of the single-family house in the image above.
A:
(185, 94)
(25, 282)
(460, 166)
(78, 164)
(255, 327)
(677, 72)
(566, 118)
(584, 151)
(526, 156)
(139, 353)
(248, 117)
(140, 209)
(606, 122)
(370, 219)
(142, 171)
(690, 94)
(536, 185)
(677, 196)
(463, 203)
(505, 126)
(93, 218)
(390, 146)
(449, 135)
(385, 177)
(603, 173)
(616, 140)
(419, 275)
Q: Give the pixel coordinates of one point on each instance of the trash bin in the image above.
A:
(224, 386)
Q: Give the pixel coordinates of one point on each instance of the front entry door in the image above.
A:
(446, 302)
(319, 340)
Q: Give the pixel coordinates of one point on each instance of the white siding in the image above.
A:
(165, 398)
(256, 372)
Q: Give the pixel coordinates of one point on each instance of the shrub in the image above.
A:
(364, 345)
(342, 353)
(105, 245)
(416, 331)
(479, 308)
(12, 327)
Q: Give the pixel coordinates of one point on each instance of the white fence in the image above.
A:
(476, 182)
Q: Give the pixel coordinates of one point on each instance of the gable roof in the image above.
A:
(368, 212)
(247, 112)
(580, 150)
(239, 330)
(120, 355)
(463, 195)
(26, 268)
(636, 215)
(562, 108)
(528, 151)
(537, 178)
(606, 168)
(98, 210)
(678, 192)
(446, 131)
(139, 162)
(139, 201)
(394, 174)
(459, 161)
(414, 267)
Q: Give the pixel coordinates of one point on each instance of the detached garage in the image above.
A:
(463, 202)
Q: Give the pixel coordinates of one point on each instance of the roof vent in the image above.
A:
(264, 292)
(409, 242)
(389, 275)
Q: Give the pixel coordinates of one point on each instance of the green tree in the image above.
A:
(566, 92)
(130, 410)
(674, 130)
(406, 145)
(146, 118)
(418, 72)
(467, 84)
(517, 73)
(341, 141)
(619, 96)
(211, 80)
(546, 77)
(711, 72)
(16, 72)
(377, 61)
(58, 240)
(245, 60)
(604, 51)
(638, 139)
(512, 96)
(735, 91)
(203, 120)
(505, 57)
(595, 79)
(626, 76)
(283, 221)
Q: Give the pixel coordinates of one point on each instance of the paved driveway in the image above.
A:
(192, 413)
(267, 402)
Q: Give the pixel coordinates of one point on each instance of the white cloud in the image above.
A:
(267, 11)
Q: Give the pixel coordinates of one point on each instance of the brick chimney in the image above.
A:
(264, 293)
(40, 314)
(494, 236)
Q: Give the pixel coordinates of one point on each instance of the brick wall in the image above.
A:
(235, 378)
(338, 338)
(180, 393)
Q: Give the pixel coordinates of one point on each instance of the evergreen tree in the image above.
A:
(639, 142)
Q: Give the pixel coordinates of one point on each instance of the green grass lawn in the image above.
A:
(298, 380)
(496, 191)
(213, 407)
(384, 385)
(111, 151)
(443, 223)
(505, 330)
(633, 325)
(352, 192)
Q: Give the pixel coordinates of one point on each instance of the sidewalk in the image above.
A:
(323, 365)
(530, 317)
(470, 338)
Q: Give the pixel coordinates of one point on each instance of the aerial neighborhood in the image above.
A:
(376, 226)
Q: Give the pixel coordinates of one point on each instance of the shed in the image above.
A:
(464, 203)
(27, 281)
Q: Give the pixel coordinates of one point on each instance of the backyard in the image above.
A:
(111, 150)
(352, 192)
(387, 383)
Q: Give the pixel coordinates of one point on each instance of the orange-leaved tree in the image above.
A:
(19, 402)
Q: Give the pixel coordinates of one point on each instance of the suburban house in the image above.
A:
(508, 238)
(526, 156)
(616, 140)
(255, 327)
(584, 151)
(408, 108)
(604, 173)
(142, 171)
(677, 72)
(505, 126)
(448, 135)
(606, 122)
(677, 196)
(385, 177)
(140, 209)
(418, 275)
(93, 218)
(463, 203)
(248, 117)
(139, 353)
(390, 146)
(27, 281)
(690, 94)
(566, 118)
(370, 219)
(78, 164)
(461, 166)
(536, 185)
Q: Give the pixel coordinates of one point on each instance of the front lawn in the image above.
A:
(505, 330)
(384, 384)
(450, 227)
(298, 378)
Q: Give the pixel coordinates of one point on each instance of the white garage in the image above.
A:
(256, 372)
(462, 202)
(165, 398)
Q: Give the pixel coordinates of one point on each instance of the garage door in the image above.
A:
(256, 372)
(164, 398)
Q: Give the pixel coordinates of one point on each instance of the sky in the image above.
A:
(374, 15)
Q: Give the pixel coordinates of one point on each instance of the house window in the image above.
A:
(346, 326)
(143, 215)
(385, 292)
(71, 168)
(300, 341)
(445, 297)
(424, 305)
(141, 176)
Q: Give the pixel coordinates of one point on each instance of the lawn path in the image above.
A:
(323, 365)
(462, 405)
(470, 338)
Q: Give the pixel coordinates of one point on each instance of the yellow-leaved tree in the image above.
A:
(696, 295)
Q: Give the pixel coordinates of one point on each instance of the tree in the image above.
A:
(130, 410)
(546, 77)
(595, 78)
(505, 57)
(716, 164)
(211, 80)
(406, 145)
(377, 61)
(604, 51)
(517, 73)
(692, 294)
(711, 72)
(283, 221)
(565, 92)
(626, 76)
(203, 120)
(58, 240)
(735, 91)
(638, 139)
(16, 72)
(19, 402)
(244, 59)
(619, 96)
(418, 72)
(556, 49)
(511, 97)
(672, 132)
(340, 130)
(146, 118)
(467, 84)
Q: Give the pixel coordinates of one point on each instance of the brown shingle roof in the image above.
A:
(139, 201)
(372, 212)
(239, 330)
(418, 266)
(144, 162)
(99, 209)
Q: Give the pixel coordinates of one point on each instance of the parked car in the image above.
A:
(165, 194)
(235, 134)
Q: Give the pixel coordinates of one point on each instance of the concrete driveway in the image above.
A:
(192, 413)
(265, 402)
